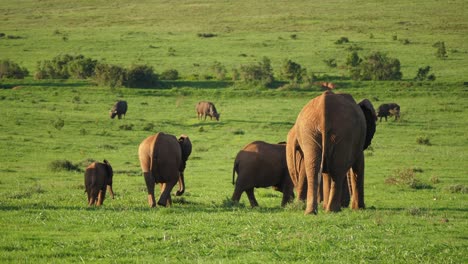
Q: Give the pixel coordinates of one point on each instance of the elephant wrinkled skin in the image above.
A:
(331, 132)
(163, 159)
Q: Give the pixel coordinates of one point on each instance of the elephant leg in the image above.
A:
(312, 160)
(336, 188)
(165, 198)
(237, 194)
(251, 195)
(111, 191)
(357, 184)
(325, 189)
(150, 182)
(345, 196)
(302, 186)
(101, 197)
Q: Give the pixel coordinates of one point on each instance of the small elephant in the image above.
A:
(97, 177)
(391, 109)
(119, 109)
(163, 158)
(332, 131)
(205, 109)
(260, 164)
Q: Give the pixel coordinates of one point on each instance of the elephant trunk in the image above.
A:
(181, 185)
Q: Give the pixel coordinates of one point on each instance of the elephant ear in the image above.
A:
(369, 113)
(186, 147)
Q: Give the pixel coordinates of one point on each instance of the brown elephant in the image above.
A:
(332, 132)
(260, 164)
(163, 158)
(97, 177)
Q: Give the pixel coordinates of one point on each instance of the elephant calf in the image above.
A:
(119, 109)
(260, 164)
(205, 109)
(390, 109)
(98, 176)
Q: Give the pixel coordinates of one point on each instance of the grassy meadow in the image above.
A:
(416, 183)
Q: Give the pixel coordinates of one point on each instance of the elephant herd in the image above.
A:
(322, 160)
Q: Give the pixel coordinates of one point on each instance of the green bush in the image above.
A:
(423, 74)
(11, 70)
(169, 75)
(441, 52)
(109, 75)
(292, 71)
(66, 66)
(342, 40)
(141, 76)
(259, 73)
(66, 165)
(219, 70)
(379, 67)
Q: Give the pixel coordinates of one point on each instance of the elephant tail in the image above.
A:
(234, 170)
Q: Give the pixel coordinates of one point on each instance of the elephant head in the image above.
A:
(186, 149)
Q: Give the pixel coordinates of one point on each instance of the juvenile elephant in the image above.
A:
(119, 109)
(163, 158)
(391, 109)
(205, 109)
(260, 164)
(97, 177)
(332, 132)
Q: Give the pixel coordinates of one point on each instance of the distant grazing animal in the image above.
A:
(328, 85)
(260, 164)
(119, 109)
(390, 109)
(98, 176)
(205, 109)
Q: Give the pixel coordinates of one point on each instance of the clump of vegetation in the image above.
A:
(458, 188)
(11, 70)
(330, 63)
(169, 75)
(342, 40)
(66, 66)
(258, 74)
(63, 165)
(149, 127)
(126, 127)
(238, 132)
(423, 140)
(141, 76)
(441, 52)
(292, 71)
(407, 177)
(110, 75)
(58, 123)
(206, 35)
(377, 67)
(423, 74)
(219, 70)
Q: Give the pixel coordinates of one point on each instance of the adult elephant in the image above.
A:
(163, 159)
(331, 131)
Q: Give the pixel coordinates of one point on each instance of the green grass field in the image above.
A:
(43, 213)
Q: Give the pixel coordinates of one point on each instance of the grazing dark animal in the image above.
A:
(390, 109)
(119, 109)
(98, 176)
(205, 109)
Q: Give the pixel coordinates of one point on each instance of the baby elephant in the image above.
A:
(205, 109)
(390, 109)
(98, 176)
(260, 164)
(119, 109)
